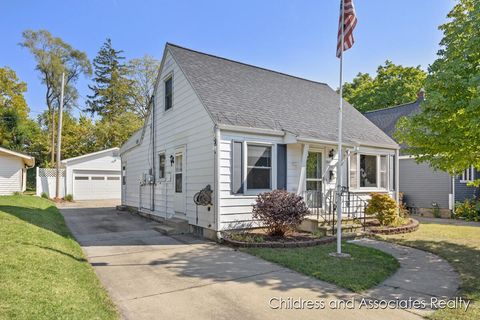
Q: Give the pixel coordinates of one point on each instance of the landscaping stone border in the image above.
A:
(411, 227)
(287, 244)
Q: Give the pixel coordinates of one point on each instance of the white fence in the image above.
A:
(46, 182)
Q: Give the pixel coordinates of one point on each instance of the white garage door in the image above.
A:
(93, 185)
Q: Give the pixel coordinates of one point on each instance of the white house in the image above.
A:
(244, 130)
(13, 171)
(88, 177)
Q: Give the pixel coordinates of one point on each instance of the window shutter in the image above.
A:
(237, 167)
(282, 166)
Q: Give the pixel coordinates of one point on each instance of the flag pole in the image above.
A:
(340, 147)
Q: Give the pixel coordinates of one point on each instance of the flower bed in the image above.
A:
(290, 240)
(411, 226)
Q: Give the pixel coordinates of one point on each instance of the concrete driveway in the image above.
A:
(151, 276)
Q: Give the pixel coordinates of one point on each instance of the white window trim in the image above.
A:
(323, 162)
(273, 176)
(175, 172)
(165, 79)
(467, 178)
(164, 167)
(370, 189)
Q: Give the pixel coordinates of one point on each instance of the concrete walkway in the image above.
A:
(151, 276)
(421, 276)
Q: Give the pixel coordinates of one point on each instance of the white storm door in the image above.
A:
(179, 179)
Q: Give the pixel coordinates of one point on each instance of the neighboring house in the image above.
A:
(244, 130)
(13, 171)
(91, 176)
(421, 185)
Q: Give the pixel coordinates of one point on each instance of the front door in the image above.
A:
(314, 196)
(179, 182)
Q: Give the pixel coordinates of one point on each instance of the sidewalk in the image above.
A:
(422, 275)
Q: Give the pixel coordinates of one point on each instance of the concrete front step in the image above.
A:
(166, 230)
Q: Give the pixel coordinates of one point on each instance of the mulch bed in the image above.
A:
(411, 226)
(291, 240)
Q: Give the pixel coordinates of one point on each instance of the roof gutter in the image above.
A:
(295, 139)
(348, 144)
(270, 132)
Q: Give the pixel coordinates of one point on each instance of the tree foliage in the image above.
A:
(113, 98)
(143, 73)
(53, 57)
(111, 89)
(392, 85)
(13, 110)
(446, 132)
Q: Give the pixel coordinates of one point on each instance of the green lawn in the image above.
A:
(459, 245)
(43, 272)
(366, 268)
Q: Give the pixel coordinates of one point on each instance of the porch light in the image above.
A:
(172, 160)
(330, 153)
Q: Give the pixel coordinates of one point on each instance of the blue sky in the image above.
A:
(295, 37)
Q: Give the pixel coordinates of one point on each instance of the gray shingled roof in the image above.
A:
(386, 119)
(239, 94)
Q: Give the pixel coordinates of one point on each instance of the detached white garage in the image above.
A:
(94, 176)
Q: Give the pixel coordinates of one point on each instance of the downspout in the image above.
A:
(453, 193)
(397, 175)
(216, 218)
(152, 105)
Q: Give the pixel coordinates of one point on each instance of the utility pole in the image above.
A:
(59, 138)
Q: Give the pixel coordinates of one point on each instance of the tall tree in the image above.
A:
(53, 57)
(112, 98)
(13, 110)
(392, 85)
(446, 131)
(111, 87)
(143, 72)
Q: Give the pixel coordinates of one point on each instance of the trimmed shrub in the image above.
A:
(384, 208)
(44, 195)
(280, 211)
(69, 197)
(468, 210)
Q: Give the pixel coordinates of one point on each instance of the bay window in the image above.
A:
(259, 167)
(368, 171)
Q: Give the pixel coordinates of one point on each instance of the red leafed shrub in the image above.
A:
(280, 211)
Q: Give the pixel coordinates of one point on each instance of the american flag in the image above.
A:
(349, 23)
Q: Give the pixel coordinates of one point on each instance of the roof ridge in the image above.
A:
(392, 107)
(245, 64)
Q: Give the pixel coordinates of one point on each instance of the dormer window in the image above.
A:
(168, 93)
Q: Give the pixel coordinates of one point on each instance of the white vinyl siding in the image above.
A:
(236, 209)
(11, 174)
(187, 124)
